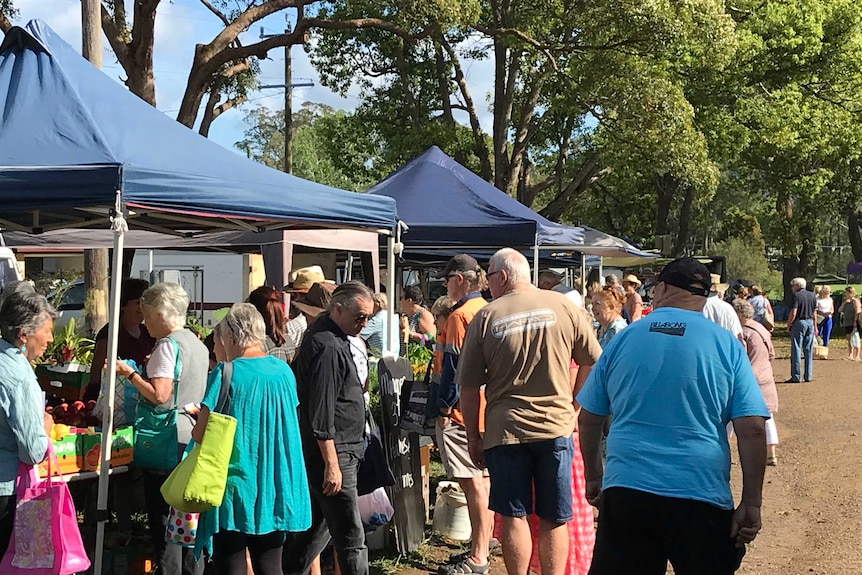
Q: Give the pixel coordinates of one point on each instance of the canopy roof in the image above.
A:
(71, 138)
(446, 205)
(854, 268)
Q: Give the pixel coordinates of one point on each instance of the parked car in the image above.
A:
(69, 300)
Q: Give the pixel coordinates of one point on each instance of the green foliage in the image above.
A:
(195, 326)
(68, 346)
(746, 259)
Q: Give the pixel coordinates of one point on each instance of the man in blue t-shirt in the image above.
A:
(672, 383)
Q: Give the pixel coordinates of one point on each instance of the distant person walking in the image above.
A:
(823, 315)
(758, 345)
(851, 317)
(762, 308)
(800, 324)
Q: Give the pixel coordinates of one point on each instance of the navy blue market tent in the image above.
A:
(71, 138)
(446, 205)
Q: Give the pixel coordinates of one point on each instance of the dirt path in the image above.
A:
(812, 507)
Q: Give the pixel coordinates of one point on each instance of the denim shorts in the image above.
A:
(541, 467)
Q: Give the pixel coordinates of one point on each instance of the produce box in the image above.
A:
(66, 381)
(90, 448)
(66, 450)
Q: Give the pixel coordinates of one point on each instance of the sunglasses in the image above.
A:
(450, 276)
(492, 274)
(361, 318)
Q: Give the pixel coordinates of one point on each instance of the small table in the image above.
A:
(84, 475)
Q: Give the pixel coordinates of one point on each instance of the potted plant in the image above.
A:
(67, 360)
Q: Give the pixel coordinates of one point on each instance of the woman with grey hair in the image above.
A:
(758, 345)
(26, 323)
(176, 376)
(267, 489)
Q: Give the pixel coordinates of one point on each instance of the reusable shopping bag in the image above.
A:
(156, 428)
(375, 509)
(198, 482)
(182, 528)
(418, 398)
(45, 535)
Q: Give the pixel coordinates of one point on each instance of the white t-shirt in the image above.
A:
(825, 307)
(570, 293)
(163, 360)
(720, 312)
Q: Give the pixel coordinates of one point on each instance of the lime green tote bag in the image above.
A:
(198, 483)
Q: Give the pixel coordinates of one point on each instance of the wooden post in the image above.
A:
(95, 261)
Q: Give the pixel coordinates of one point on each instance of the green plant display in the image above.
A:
(69, 346)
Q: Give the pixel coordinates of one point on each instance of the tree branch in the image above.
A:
(521, 36)
(115, 39)
(5, 24)
(216, 11)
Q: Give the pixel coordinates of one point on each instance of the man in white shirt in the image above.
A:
(719, 311)
(550, 280)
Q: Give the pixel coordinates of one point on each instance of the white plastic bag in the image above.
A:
(375, 509)
(854, 338)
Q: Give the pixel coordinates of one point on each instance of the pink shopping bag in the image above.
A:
(45, 536)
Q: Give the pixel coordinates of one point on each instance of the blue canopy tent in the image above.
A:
(446, 205)
(79, 151)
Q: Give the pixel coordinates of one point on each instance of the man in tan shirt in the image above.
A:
(520, 348)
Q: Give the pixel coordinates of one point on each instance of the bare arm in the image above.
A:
(201, 424)
(470, 410)
(590, 428)
(791, 318)
(157, 390)
(751, 442)
(331, 469)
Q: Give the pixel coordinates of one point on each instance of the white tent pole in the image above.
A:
(601, 271)
(536, 262)
(391, 344)
(119, 227)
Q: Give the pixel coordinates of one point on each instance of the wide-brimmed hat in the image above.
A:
(460, 263)
(631, 279)
(716, 283)
(688, 274)
(317, 299)
(302, 279)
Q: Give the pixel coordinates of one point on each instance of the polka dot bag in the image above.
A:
(182, 528)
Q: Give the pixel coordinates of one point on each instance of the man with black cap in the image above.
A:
(673, 382)
(465, 280)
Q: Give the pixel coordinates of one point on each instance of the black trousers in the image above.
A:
(640, 532)
(337, 515)
(171, 559)
(7, 521)
(264, 550)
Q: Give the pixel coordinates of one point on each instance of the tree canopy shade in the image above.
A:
(71, 139)
(445, 204)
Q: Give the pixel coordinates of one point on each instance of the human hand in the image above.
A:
(123, 368)
(593, 492)
(477, 452)
(331, 479)
(746, 523)
(442, 421)
(47, 423)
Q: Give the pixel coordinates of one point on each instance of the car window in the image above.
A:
(73, 298)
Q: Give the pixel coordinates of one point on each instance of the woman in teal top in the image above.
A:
(267, 489)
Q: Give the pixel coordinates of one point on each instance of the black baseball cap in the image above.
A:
(460, 263)
(688, 274)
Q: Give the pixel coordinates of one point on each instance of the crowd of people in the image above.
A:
(524, 384)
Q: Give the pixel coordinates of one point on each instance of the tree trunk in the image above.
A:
(443, 89)
(790, 270)
(5, 24)
(480, 148)
(684, 222)
(140, 77)
(523, 132)
(587, 174)
(853, 229)
(665, 189)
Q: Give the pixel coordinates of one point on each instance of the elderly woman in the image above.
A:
(26, 321)
(758, 344)
(823, 314)
(607, 304)
(267, 489)
(176, 377)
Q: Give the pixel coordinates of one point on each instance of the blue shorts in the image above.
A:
(516, 469)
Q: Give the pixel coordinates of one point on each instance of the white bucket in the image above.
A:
(451, 517)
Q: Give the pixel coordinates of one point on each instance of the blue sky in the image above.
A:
(181, 24)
